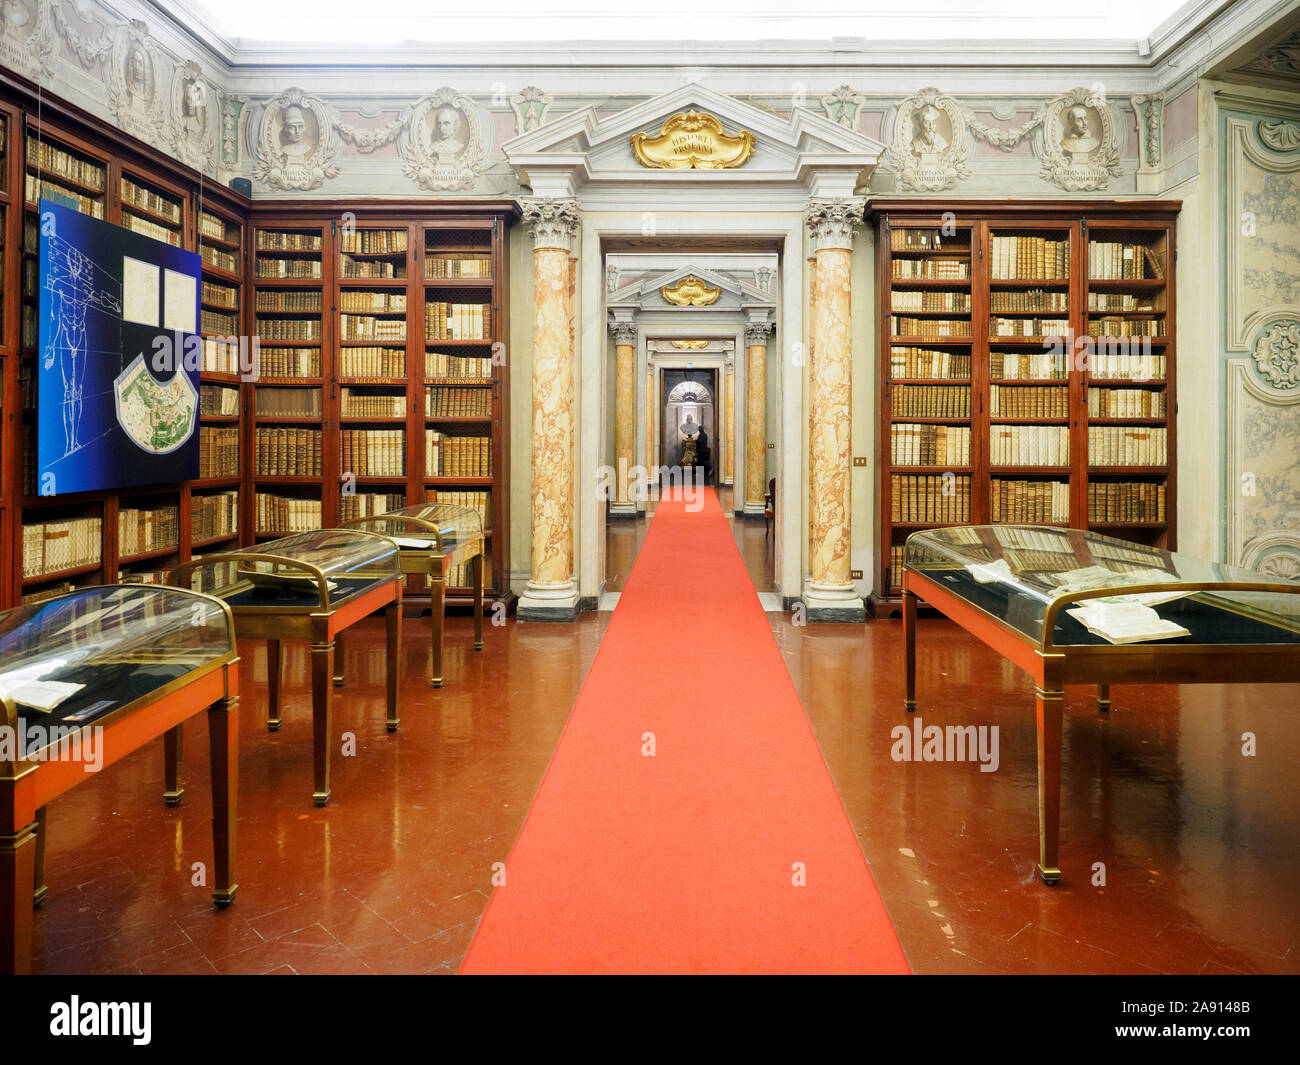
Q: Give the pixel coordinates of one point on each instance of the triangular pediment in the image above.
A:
(584, 152)
(648, 293)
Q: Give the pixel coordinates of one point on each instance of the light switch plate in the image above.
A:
(859, 460)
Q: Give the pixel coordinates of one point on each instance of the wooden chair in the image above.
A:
(769, 507)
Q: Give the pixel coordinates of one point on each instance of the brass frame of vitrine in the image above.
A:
(433, 564)
(1052, 666)
(28, 787)
(321, 627)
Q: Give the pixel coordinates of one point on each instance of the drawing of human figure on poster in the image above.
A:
(74, 285)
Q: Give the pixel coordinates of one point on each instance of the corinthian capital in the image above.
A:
(831, 222)
(756, 333)
(623, 332)
(553, 223)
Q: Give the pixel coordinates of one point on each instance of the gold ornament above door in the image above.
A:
(690, 291)
(692, 140)
(691, 345)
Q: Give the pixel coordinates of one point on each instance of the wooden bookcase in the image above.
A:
(1026, 373)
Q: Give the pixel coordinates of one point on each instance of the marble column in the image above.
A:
(729, 474)
(552, 592)
(829, 594)
(622, 505)
(756, 333)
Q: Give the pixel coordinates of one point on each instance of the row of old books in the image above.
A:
(148, 200)
(52, 160)
(1029, 401)
(220, 357)
(289, 402)
(50, 592)
(284, 451)
(1122, 501)
(1030, 258)
(912, 444)
(156, 230)
(1027, 366)
(369, 405)
(142, 576)
(1126, 403)
(286, 514)
(294, 299)
(288, 269)
(1131, 366)
(931, 269)
(373, 452)
(222, 260)
(928, 362)
(479, 500)
(896, 552)
(924, 498)
(1028, 327)
(1029, 445)
(216, 322)
(439, 266)
(1117, 261)
(357, 299)
(367, 327)
(288, 329)
(140, 530)
(928, 240)
(372, 362)
(289, 362)
(373, 269)
(218, 451)
(36, 189)
(217, 399)
(1028, 299)
(931, 401)
(929, 300)
(1117, 445)
(1029, 502)
(443, 402)
(373, 241)
(212, 515)
(214, 227)
(353, 505)
(221, 295)
(929, 327)
(456, 321)
(278, 240)
(456, 456)
(453, 367)
(53, 546)
(1126, 327)
(1119, 301)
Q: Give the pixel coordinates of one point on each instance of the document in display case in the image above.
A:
(437, 540)
(87, 678)
(1075, 607)
(309, 586)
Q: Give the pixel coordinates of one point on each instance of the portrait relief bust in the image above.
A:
(297, 138)
(1078, 140)
(296, 145)
(928, 141)
(137, 72)
(446, 136)
(18, 17)
(442, 145)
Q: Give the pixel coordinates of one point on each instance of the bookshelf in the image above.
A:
(1027, 360)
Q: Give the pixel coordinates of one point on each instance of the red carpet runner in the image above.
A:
(685, 862)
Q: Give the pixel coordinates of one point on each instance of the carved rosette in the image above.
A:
(530, 106)
(623, 332)
(1064, 167)
(552, 223)
(1280, 135)
(757, 333)
(134, 96)
(308, 169)
(920, 168)
(27, 38)
(439, 158)
(193, 103)
(843, 106)
(831, 222)
(1277, 355)
(1282, 565)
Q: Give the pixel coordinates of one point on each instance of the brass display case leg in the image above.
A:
(273, 694)
(38, 895)
(338, 660)
(393, 659)
(478, 601)
(909, 641)
(173, 752)
(17, 881)
(322, 697)
(1103, 697)
(1048, 705)
(437, 599)
(223, 755)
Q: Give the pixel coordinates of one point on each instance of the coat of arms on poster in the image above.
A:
(1080, 150)
(134, 95)
(692, 140)
(296, 144)
(194, 117)
(442, 144)
(929, 146)
(26, 37)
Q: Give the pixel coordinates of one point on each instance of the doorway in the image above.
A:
(689, 399)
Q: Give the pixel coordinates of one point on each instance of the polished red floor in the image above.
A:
(1201, 845)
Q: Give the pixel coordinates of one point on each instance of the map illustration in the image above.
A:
(157, 418)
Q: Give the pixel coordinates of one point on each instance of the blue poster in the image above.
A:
(117, 391)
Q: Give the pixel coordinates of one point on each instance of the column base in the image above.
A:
(548, 602)
(833, 603)
(754, 510)
(622, 510)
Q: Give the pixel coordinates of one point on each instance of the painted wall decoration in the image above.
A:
(134, 65)
(929, 147)
(530, 106)
(26, 37)
(1080, 152)
(194, 108)
(296, 145)
(118, 371)
(442, 144)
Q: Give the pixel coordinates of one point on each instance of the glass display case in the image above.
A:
(309, 586)
(86, 679)
(443, 543)
(1074, 607)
